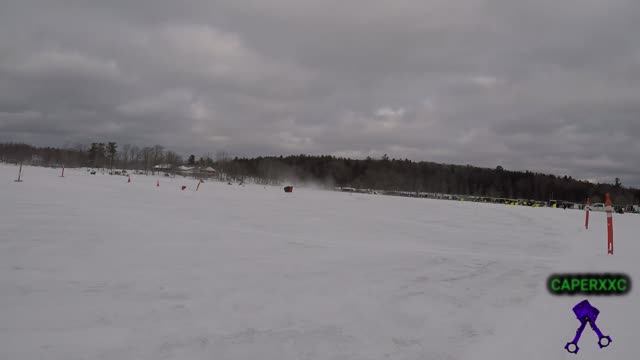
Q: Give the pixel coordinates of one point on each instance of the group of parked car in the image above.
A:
(558, 204)
(115, 172)
(617, 209)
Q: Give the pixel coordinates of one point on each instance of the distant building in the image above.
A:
(209, 172)
(36, 159)
(187, 170)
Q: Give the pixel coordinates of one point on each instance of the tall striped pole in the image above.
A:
(586, 219)
(609, 210)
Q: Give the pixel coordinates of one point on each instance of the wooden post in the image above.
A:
(19, 173)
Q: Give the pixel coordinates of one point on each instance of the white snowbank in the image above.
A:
(93, 267)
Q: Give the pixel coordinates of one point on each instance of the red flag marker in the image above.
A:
(586, 219)
(62, 175)
(128, 178)
(609, 210)
(158, 183)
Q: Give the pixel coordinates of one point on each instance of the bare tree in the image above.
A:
(158, 154)
(125, 155)
(80, 147)
(222, 156)
(172, 158)
(134, 156)
(101, 154)
(147, 158)
(96, 152)
(112, 149)
(79, 151)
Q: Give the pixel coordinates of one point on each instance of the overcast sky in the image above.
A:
(547, 85)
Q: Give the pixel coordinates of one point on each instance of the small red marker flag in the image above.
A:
(609, 210)
(586, 219)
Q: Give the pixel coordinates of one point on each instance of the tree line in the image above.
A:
(378, 174)
(104, 155)
(406, 175)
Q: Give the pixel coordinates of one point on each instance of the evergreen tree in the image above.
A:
(112, 149)
(382, 174)
(93, 154)
(100, 155)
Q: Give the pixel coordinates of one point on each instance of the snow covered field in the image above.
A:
(93, 267)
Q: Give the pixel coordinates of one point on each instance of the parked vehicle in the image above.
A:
(597, 207)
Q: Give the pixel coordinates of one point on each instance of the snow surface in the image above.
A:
(93, 267)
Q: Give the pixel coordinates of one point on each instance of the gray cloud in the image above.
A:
(545, 85)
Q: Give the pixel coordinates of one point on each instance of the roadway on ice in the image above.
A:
(93, 267)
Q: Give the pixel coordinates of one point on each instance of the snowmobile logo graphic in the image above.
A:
(586, 313)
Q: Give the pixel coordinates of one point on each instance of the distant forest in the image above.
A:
(378, 174)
